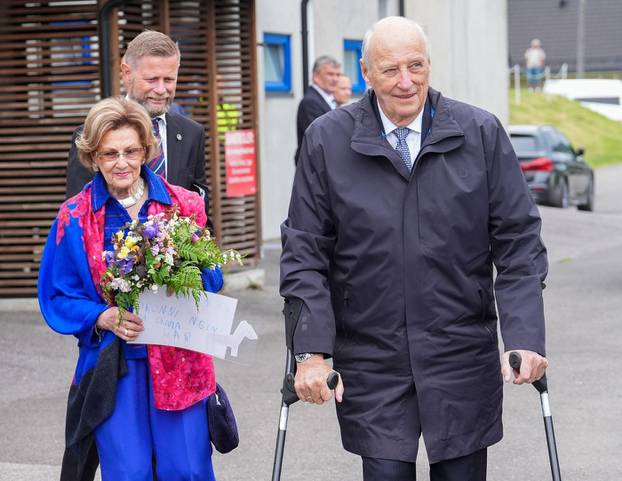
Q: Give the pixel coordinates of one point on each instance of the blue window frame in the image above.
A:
(352, 53)
(72, 56)
(277, 63)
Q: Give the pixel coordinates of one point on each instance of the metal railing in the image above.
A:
(515, 73)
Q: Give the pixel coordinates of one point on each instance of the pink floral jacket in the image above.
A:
(180, 377)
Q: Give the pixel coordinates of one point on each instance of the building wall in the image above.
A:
(277, 116)
(469, 62)
(555, 24)
(341, 20)
(468, 49)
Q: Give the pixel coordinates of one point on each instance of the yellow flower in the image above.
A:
(130, 241)
(119, 236)
(123, 253)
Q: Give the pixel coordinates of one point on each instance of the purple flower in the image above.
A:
(195, 237)
(126, 265)
(108, 257)
(151, 230)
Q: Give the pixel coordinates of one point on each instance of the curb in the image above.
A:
(246, 279)
(30, 304)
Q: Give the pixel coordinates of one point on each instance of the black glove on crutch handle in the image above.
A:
(515, 362)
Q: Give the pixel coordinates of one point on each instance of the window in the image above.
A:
(563, 144)
(524, 144)
(352, 53)
(277, 64)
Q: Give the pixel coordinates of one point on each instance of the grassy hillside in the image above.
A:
(601, 137)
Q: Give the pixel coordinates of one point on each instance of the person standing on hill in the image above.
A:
(534, 61)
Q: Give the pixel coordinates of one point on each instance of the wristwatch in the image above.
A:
(303, 356)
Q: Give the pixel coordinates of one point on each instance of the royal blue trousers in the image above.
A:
(136, 432)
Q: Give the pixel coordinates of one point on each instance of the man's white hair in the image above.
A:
(367, 39)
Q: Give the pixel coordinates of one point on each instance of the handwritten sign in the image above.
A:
(240, 163)
(176, 321)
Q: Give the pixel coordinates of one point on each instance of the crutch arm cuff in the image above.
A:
(291, 311)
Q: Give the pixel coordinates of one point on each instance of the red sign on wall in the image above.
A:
(240, 163)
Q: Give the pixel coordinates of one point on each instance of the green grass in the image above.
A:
(600, 136)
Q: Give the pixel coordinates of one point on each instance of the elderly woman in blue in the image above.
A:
(139, 411)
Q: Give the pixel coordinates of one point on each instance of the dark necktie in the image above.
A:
(157, 164)
(402, 147)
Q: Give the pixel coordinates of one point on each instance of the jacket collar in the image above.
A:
(156, 189)
(440, 132)
(174, 139)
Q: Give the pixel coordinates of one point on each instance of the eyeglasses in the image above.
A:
(132, 153)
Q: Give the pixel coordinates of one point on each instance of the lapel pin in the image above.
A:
(179, 137)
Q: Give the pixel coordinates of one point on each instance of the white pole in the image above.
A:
(517, 83)
(581, 39)
(563, 71)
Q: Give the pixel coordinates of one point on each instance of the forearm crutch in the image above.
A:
(291, 311)
(541, 387)
(290, 397)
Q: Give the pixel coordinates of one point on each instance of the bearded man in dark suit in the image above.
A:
(318, 98)
(149, 69)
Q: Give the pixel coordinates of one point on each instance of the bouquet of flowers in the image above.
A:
(166, 250)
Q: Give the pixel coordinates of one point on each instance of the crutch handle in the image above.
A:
(540, 385)
(332, 380)
(289, 393)
(515, 362)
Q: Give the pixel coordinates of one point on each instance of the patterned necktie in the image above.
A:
(157, 164)
(402, 147)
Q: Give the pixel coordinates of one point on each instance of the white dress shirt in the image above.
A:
(414, 137)
(328, 98)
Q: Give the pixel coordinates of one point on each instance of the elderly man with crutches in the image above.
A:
(403, 204)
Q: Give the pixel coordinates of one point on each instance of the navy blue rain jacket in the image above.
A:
(395, 270)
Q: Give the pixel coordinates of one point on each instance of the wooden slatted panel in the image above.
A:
(236, 69)
(49, 76)
(189, 25)
(189, 22)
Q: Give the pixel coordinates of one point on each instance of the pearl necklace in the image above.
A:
(135, 197)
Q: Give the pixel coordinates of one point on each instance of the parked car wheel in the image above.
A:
(589, 204)
(561, 197)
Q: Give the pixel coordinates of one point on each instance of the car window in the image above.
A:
(550, 139)
(564, 143)
(524, 144)
(557, 142)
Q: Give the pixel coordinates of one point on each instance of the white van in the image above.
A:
(600, 95)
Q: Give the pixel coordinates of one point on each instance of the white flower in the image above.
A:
(121, 285)
(154, 287)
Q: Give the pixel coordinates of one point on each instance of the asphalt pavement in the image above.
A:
(584, 334)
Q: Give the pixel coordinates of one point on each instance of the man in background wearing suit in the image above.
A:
(343, 91)
(149, 69)
(318, 98)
